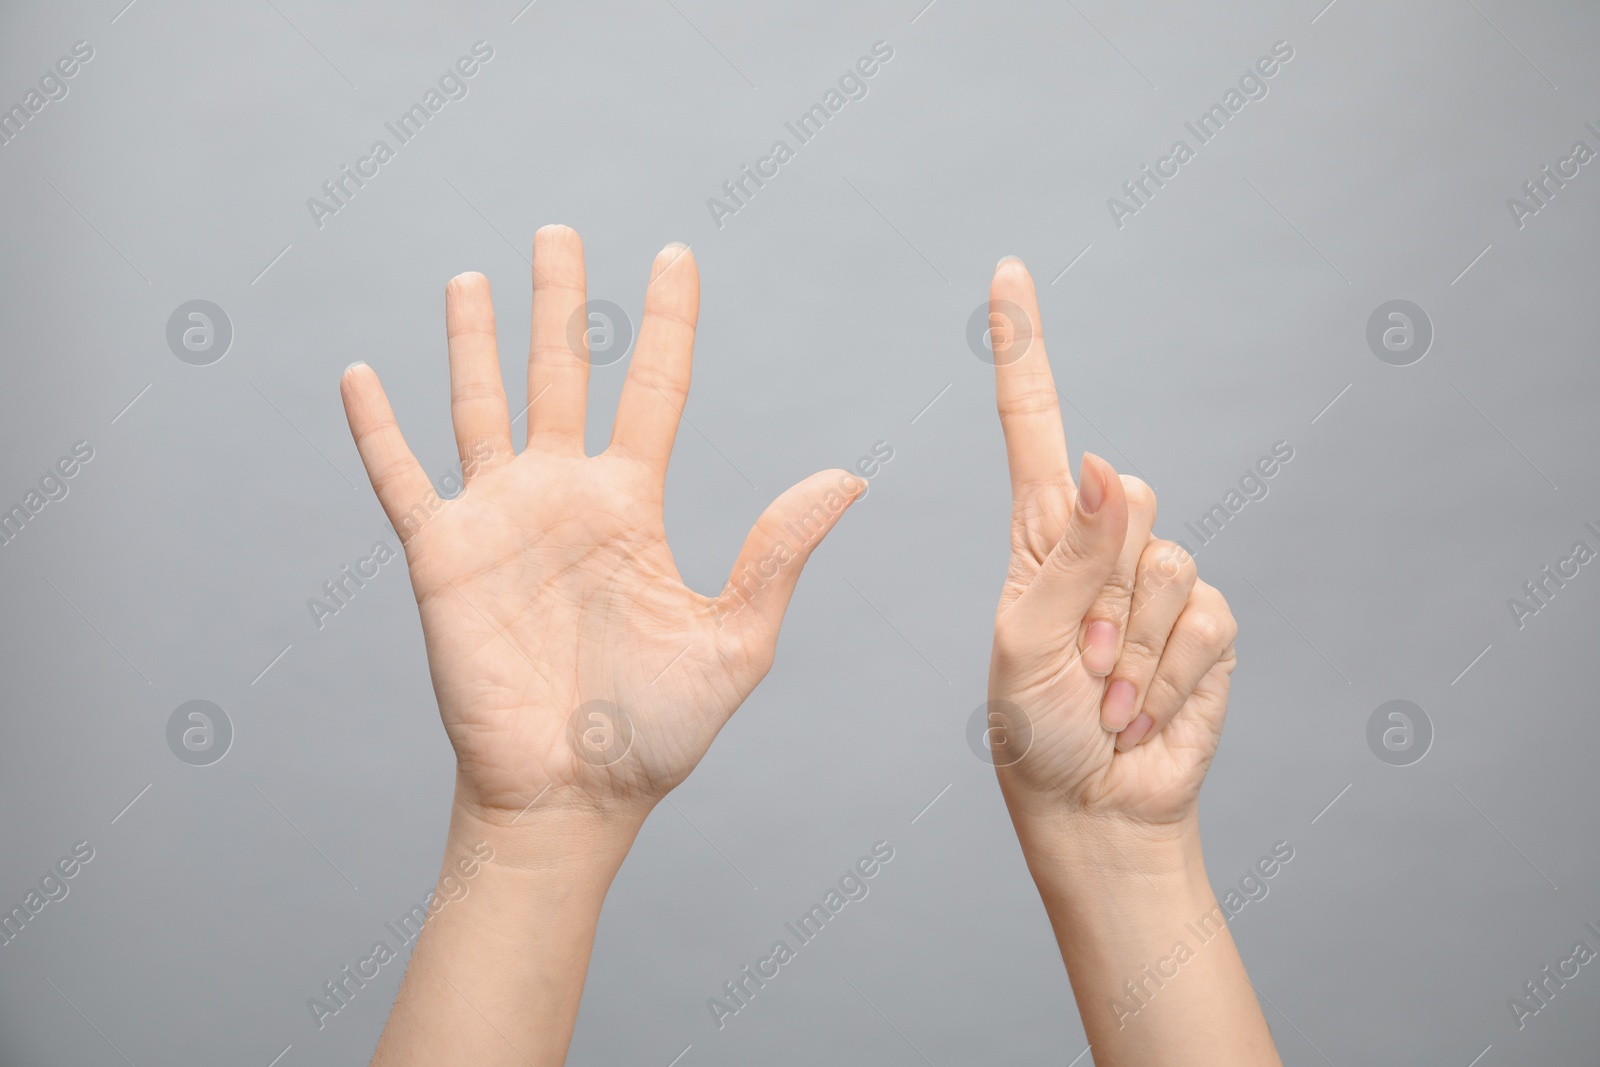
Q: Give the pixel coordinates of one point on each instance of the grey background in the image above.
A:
(1224, 317)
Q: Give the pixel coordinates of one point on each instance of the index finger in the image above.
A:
(1025, 390)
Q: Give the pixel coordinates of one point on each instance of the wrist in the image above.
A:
(545, 837)
(1101, 855)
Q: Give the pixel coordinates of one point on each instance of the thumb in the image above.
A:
(769, 564)
(1071, 577)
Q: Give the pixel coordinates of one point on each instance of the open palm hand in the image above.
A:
(571, 663)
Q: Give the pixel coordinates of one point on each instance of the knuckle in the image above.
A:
(1138, 651)
(1162, 699)
(1117, 589)
(1170, 561)
(1207, 630)
(1141, 498)
(663, 316)
(473, 391)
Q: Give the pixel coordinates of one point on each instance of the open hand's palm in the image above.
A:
(570, 661)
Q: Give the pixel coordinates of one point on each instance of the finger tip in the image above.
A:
(1011, 278)
(1117, 710)
(355, 382)
(1100, 485)
(556, 235)
(671, 254)
(1100, 647)
(850, 483)
(1135, 732)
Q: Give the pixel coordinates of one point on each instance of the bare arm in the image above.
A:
(578, 678)
(1108, 687)
(499, 968)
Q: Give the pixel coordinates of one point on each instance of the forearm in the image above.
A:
(1157, 977)
(498, 971)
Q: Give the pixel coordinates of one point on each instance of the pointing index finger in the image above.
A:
(1025, 390)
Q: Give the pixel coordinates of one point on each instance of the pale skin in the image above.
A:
(1109, 680)
(544, 587)
(547, 591)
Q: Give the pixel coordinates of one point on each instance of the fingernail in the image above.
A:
(1135, 732)
(668, 255)
(353, 366)
(1100, 648)
(1008, 259)
(1091, 489)
(1118, 707)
